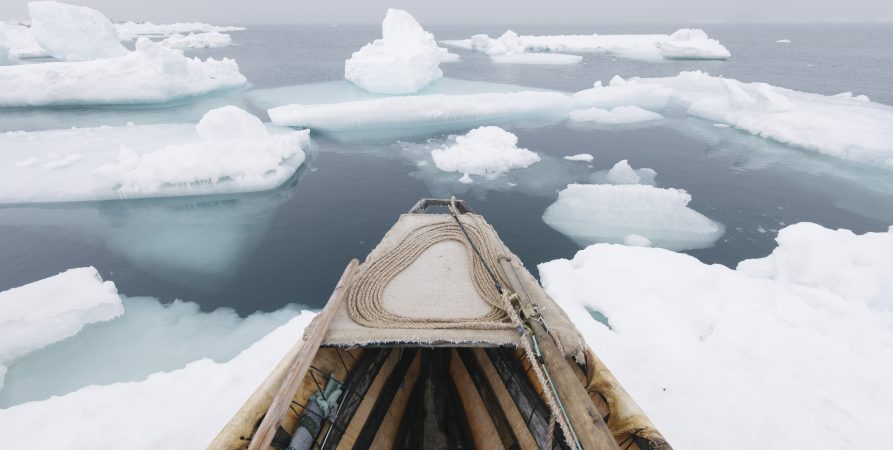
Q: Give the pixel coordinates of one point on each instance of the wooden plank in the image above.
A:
(383, 402)
(388, 430)
(298, 370)
(504, 399)
(368, 401)
(481, 417)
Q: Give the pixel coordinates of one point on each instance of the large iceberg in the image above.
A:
(682, 44)
(50, 310)
(185, 408)
(73, 33)
(705, 344)
(404, 60)
(590, 213)
(844, 126)
(485, 151)
(150, 74)
(210, 39)
(228, 151)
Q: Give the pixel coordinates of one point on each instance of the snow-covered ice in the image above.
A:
(403, 61)
(590, 213)
(132, 30)
(21, 43)
(688, 43)
(228, 151)
(6, 55)
(205, 392)
(843, 126)
(682, 44)
(50, 310)
(618, 115)
(623, 173)
(150, 74)
(210, 39)
(585, 157)
(780, 361)
(485, 151)
(73, 33)
(536, 58)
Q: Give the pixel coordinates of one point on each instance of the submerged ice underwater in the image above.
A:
(711, 208)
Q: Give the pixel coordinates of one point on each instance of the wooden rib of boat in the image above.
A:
(440, 339)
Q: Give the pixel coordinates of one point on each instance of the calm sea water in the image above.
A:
(264, 250)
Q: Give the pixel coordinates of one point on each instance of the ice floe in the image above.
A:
(536, 58)
(687, 338)
(150, 74)
(843, 126)
(210, 39)
(205, 392)
(618, 115)
(50, 310)
(585, 157)
(682, 44)
(228, 151)
(485, 151)
(590, 213)
(73, 33)
(403, 61)
(132, 30)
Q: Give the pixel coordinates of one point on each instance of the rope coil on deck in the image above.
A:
(364, 298)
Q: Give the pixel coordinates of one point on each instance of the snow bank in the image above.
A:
(776, 363)
(132, 30)
(618, 115)
(50, 310)
(210, 39)
(843, 126)
(204, 396)
(589, 213)
(73, 33)
(404, 60)
(856, 267)
(485, 151)
(683, 44)
(228, 151)
(150, 74)
(585, 157)
(418, 110)
(690, 43)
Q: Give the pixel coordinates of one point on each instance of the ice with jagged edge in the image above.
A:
(807, 329)
(590, 213)
(210, 39)
(342, 110)
(403, 61)
(150, 74)
(486, 151)
(73, 33)
(682, 44)
(843, 125)
(46, 311)
(228, 151)
(133, 30)
(623, 173)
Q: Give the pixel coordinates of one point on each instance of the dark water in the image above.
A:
(261, 251)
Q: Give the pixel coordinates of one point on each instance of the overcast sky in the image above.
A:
(497, 12)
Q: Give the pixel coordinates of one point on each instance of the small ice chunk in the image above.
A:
(404, 60)
(618, 115)
(783, 41)
(585, 157)
(536, 58)
(688, 43)
(73, 33)
(486, 151)
(623, 173)
(210, 39)
(591, 213)
(636, 240)
(55, 308)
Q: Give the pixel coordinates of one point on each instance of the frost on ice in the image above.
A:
(485, 151)
(404, 60)
(683, 44)
(843, 126)
(210, 39)
(228, 151)
(589, 213)
(50, 310)
(73, 33)
(150, 74)
(800, 331)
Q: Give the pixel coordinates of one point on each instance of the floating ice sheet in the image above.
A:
(228, 151)
(132, 30)
(210, 39)
(686, 338)
(590, 213)
(618, 115)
